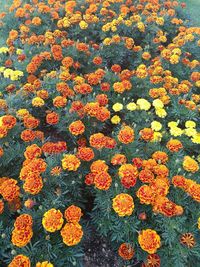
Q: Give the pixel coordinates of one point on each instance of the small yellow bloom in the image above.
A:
(172, 124)
(131, 106)
(19, 51)
(190, 132)
(160, 112)
(37, 102)
(83, 25)
(176, 131)
(156, 126)
(196, 138)
(157, 136)
(143, 104)
(44, 264)
(190, 124)
(157, 103)
(117, 107)
(115, 119)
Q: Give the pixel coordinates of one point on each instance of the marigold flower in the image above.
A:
(27, 135)
(70, 162)
(128, 174)
(44, 264)
(174, 145)
(146, 176)
(52, 220)
(147, 134)
(77, 127)
(126, 251)
(97, 140)
(85, 153)
(123, 204)
(72, 234)
(118, 159)
(126, 135)
(102, 180)
(52, 118)
(149, 240)
(33, 184)
(73, 214)
(32, 151)
(146, 194)
(190, 164)
(21, 238)
(9, 189)
(20, 261)
(188, 240)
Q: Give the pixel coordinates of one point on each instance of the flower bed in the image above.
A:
(99, 129)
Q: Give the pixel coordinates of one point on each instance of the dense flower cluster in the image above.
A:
(99, 109)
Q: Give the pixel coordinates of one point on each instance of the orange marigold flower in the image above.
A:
(33, 184)
(161, 170)
(23, 222)
(149, 240)
(29, 203)
(126, 251)
(59, 101)
(153, 260)
(85, 153)
(98, 166)
(174, 145)
(77, 127)
(97, 140)
(72, 234)
(160, 156)
(20, 261)
(116, 68)
(102, 180)
(8, 121)
(123, 204)
(194, 191)
(102, 99)
(21, 238)
(128, 174)
(57, 52)
(33, 151)
(146, 176)
(188, 240)
(70, 162)
(147, 134)
(73, 214)
(52, 220)
(9, 189)
(103, 114)
(118, 159)
(27, 135)
(31, 122)
(160, 186)
(56, 171)
(146, 194)
(190, 165)
(126, 135)
(52, 118)
(89, 178)
(179, 181)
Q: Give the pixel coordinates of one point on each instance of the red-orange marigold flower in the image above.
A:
(73, 214)
(70, 162)
(188, 240)
(77, 127)
(126, 135)
(52, 220)
(72, 234)
(149, 240)
(102, 180)
(126, 251)
(20, 261)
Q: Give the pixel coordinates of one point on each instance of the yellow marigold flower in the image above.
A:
(156, 126)
(143, 104)
(123, 204)
(172, 124)
(19, 51)
(176, 131)
(107, 41)
(22, 113)
(83, 25)
(174, 59)
(161, 112)
(131, 106)
(70, 162)
(117, 107)
(196, 138)
(190, 132)
(190, 124)
(52, 220)
(44, 264)
(4, 50)
(37, 102)
(190, 165)
(160, 21)
(115, 119)
(157, 136)
(157, 103)
(149, 241)
(141, 26)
